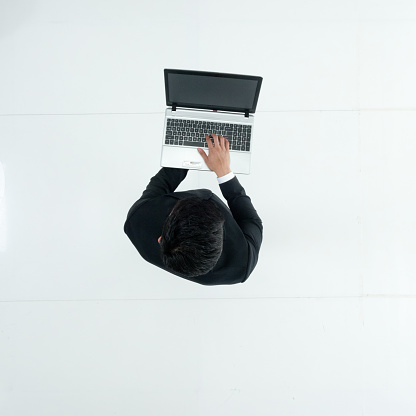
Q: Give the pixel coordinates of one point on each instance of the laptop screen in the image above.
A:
(212, 90)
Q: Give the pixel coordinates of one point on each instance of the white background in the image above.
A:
(325, 325)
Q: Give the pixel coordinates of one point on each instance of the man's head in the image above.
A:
(192, 237)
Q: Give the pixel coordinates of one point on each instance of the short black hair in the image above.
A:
(192, 237)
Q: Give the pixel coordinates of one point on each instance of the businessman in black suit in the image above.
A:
(193, 234)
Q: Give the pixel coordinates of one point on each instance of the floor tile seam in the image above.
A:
(357, 110)
(365, 296)
(78, 114)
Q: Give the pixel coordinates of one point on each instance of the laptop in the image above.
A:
(202, 103)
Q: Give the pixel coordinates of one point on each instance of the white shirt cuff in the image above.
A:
(225, 178)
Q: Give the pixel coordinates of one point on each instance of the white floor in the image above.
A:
(326, 323)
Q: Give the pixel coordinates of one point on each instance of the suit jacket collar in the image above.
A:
(201, 193)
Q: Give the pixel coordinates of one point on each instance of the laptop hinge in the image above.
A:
(247, 113)
(173, 107)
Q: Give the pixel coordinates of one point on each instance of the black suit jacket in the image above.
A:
(243, 229)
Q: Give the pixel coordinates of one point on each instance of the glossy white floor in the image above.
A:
(326, 323)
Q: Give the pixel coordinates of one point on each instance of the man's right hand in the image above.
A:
(218, 159)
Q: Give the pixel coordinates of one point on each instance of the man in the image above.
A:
(193, 234)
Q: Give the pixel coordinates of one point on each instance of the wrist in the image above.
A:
(222, 172)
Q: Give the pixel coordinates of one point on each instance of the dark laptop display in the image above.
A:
(211, 90)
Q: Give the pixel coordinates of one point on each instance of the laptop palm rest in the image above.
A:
(189, 158)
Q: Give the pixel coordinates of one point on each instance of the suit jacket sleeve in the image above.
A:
(164, 182)
(246, 217)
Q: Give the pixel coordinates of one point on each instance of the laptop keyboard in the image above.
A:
(184, 132)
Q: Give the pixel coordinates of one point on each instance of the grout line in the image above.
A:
(78, 114)
(375, 296)
(258, 112)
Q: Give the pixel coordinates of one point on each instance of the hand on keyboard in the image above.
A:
(218, 159)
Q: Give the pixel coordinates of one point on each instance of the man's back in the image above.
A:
(242, 231)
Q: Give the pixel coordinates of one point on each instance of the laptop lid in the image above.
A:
(212, 90)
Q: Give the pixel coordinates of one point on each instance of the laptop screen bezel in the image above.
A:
(214, 74)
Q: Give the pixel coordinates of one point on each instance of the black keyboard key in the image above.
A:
(193, 144)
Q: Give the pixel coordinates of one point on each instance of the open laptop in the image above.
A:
(202, 103)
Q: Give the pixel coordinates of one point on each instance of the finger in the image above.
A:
(203, 154)
(227, 144)
(209, 141)
(221, 140)
(216, 141)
